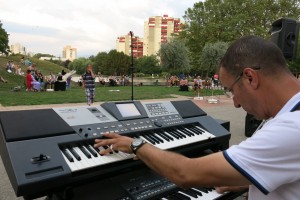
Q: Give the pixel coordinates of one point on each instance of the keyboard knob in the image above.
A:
(158, 124)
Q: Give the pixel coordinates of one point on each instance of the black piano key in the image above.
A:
(74, 153)
(192, 130)
(199, 128)
(180, 130)
(157, 138)
(190, 134)
(196, 191)
(154, 138)
(190, 193)
(182, 196)
(161, 139)
(209, 188)
(68, 156)
(178, 133)
(174, 134)
(96, 149)
(196, 130)
(149, 139)
(172, 197)
(163, 136)
(107, 147)
(202, 189)
(84, 151)
(189, 129)
(91, 150)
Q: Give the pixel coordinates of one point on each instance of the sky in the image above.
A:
(91, 26)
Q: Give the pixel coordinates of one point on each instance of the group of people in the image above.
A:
(198, 84)
(255, 73)
(36, 81)
(173, 81)
(11, 67)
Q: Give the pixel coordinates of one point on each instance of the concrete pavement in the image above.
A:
(223, 110)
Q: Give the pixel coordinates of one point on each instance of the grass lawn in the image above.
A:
(77, 94)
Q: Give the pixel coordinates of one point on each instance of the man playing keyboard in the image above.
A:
(257, 77)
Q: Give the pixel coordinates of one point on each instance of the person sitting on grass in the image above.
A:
(184, 85)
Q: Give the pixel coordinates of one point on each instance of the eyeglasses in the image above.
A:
(228, 90)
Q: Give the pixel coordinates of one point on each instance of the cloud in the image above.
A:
(91, 26)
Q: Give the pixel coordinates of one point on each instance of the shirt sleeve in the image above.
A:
(271, 157)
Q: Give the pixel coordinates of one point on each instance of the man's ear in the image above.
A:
(252, 77)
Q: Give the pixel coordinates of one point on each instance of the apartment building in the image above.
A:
(123, 44)
(69, 53)
(157, 31)
(17, 49)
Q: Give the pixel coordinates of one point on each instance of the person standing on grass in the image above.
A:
(88, 82)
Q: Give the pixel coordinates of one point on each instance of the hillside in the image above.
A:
(16, 80)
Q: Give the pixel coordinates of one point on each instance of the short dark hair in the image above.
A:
(253, 51)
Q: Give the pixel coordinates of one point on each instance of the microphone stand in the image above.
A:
(131, 34)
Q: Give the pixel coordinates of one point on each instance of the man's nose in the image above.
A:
(235, 103)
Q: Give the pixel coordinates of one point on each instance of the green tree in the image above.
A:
(100, 61)
(4, 48)
(117, 63)
(210, 57)
(174, 56)
(80, 65)
(147, 65)
(39, 55)
(227, 20)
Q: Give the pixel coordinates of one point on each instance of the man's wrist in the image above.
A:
(136, 144)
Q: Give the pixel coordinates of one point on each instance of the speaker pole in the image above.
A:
(131, 66)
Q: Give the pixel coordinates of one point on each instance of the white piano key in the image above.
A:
(125, 155)
(210, 195)
(95, 160)
(86, 162)
(72, 165)
(100, 159)
(110, 157)
(76, 163)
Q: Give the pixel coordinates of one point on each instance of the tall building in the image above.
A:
(157, 31)
(69, 53)
(123, 44)
(17, 49)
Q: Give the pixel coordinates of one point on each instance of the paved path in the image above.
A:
(223, 110)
